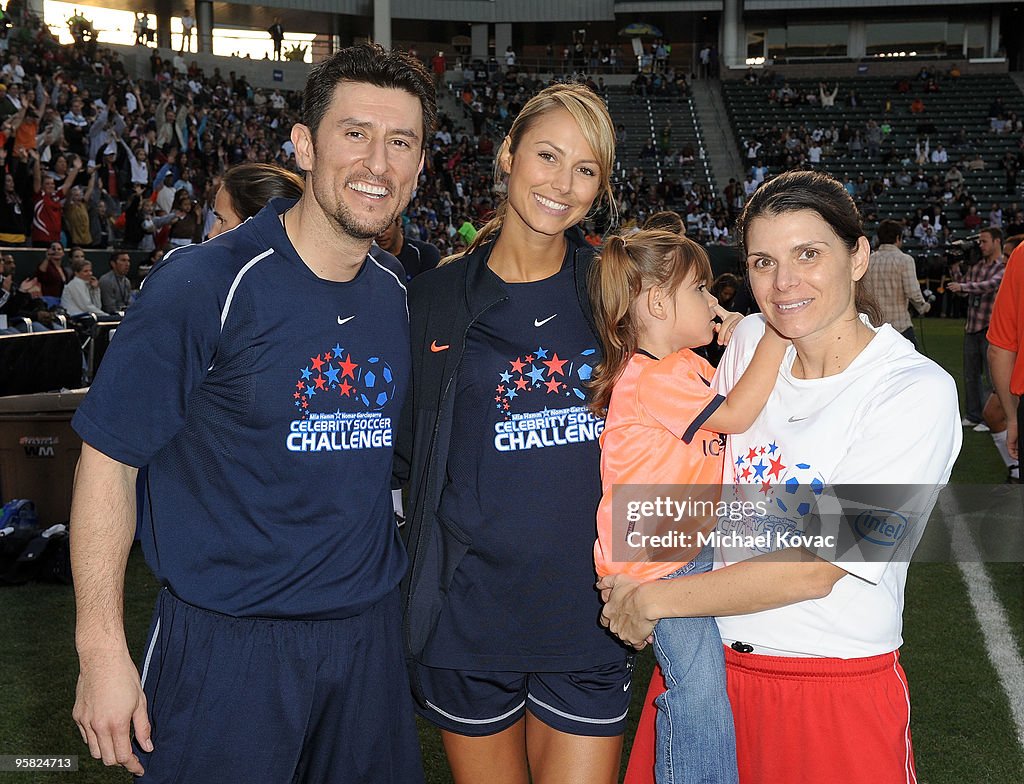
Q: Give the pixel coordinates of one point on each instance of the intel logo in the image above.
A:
(880, 526)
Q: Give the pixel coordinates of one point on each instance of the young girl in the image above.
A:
(663, 429)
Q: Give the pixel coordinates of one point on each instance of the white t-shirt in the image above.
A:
(891, 418)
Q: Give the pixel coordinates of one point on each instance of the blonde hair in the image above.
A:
(628, 266)
(592, 118)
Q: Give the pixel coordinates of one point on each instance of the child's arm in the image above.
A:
(745, 401)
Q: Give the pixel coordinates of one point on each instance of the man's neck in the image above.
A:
(323, 246)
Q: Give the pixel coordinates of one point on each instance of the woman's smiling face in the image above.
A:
(802, 274)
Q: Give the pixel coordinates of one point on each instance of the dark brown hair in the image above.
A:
(795, 191)
(251, 185)
(369, 64)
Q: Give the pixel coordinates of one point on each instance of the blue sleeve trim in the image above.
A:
(702, 417)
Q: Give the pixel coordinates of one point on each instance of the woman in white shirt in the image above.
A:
(812, 636)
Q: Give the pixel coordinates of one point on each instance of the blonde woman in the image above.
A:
(502, 462)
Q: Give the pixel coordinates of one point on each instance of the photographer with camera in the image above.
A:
(892, 279)
(979, 284)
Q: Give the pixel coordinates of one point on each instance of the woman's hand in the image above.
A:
(624, 612)
(728, 325)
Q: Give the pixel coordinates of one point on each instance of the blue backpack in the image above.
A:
(18, 514)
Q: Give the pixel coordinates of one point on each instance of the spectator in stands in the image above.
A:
(1011, 166)
(892, 279)
(188, 23)
(917, 106)
(13, 72)
(166, 193)
(12, 213)
(978, 284)
(101, 224)
(76, 214)
(926, 234)
(187, 228)
(749, 185)
(872, 139)
(81, 295)
(939, 154)
(246, 189)
(48, 211)
(995, 216)
(826, 97)
(954, 178)
(115, 288)
(276, 33)
(1013, 228)
(141, 28)
(21, 302)
(759, 171)
(50, 273)
(439, 67)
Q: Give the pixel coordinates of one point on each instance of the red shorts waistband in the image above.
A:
(797, 667)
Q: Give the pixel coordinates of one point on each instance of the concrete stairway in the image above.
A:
(717, 136)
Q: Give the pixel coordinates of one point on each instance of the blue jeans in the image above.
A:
(696, 740)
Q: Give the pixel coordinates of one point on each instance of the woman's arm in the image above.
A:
(766, 582)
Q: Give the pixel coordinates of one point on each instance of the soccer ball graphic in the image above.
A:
(797, 493)
(377, 385)
(580, 370)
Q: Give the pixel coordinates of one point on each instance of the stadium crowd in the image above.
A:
(95, 159)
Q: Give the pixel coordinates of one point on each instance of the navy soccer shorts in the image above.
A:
(242, 700)
(590, 702)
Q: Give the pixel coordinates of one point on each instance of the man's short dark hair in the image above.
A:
(369, 64)
(888, 232)
(118, 254)
(994, 232)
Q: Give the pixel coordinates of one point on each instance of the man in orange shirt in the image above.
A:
(1005, 337)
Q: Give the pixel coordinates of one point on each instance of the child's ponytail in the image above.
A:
(628, 266)
(615, 283)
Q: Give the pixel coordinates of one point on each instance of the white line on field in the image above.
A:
(995, 628)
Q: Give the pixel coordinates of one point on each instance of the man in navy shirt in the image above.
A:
(257, 380)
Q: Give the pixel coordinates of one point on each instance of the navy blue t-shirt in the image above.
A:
(262, 401)
(524, 484)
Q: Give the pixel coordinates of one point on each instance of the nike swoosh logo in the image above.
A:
(797, 419)
(628, 684)
(436, 348)
(537, 323)
(344, 320)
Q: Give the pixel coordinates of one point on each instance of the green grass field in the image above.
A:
(962, 725)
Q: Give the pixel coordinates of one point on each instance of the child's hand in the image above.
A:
(729, 322)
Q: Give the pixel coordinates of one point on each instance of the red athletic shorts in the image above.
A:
(807, 719)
